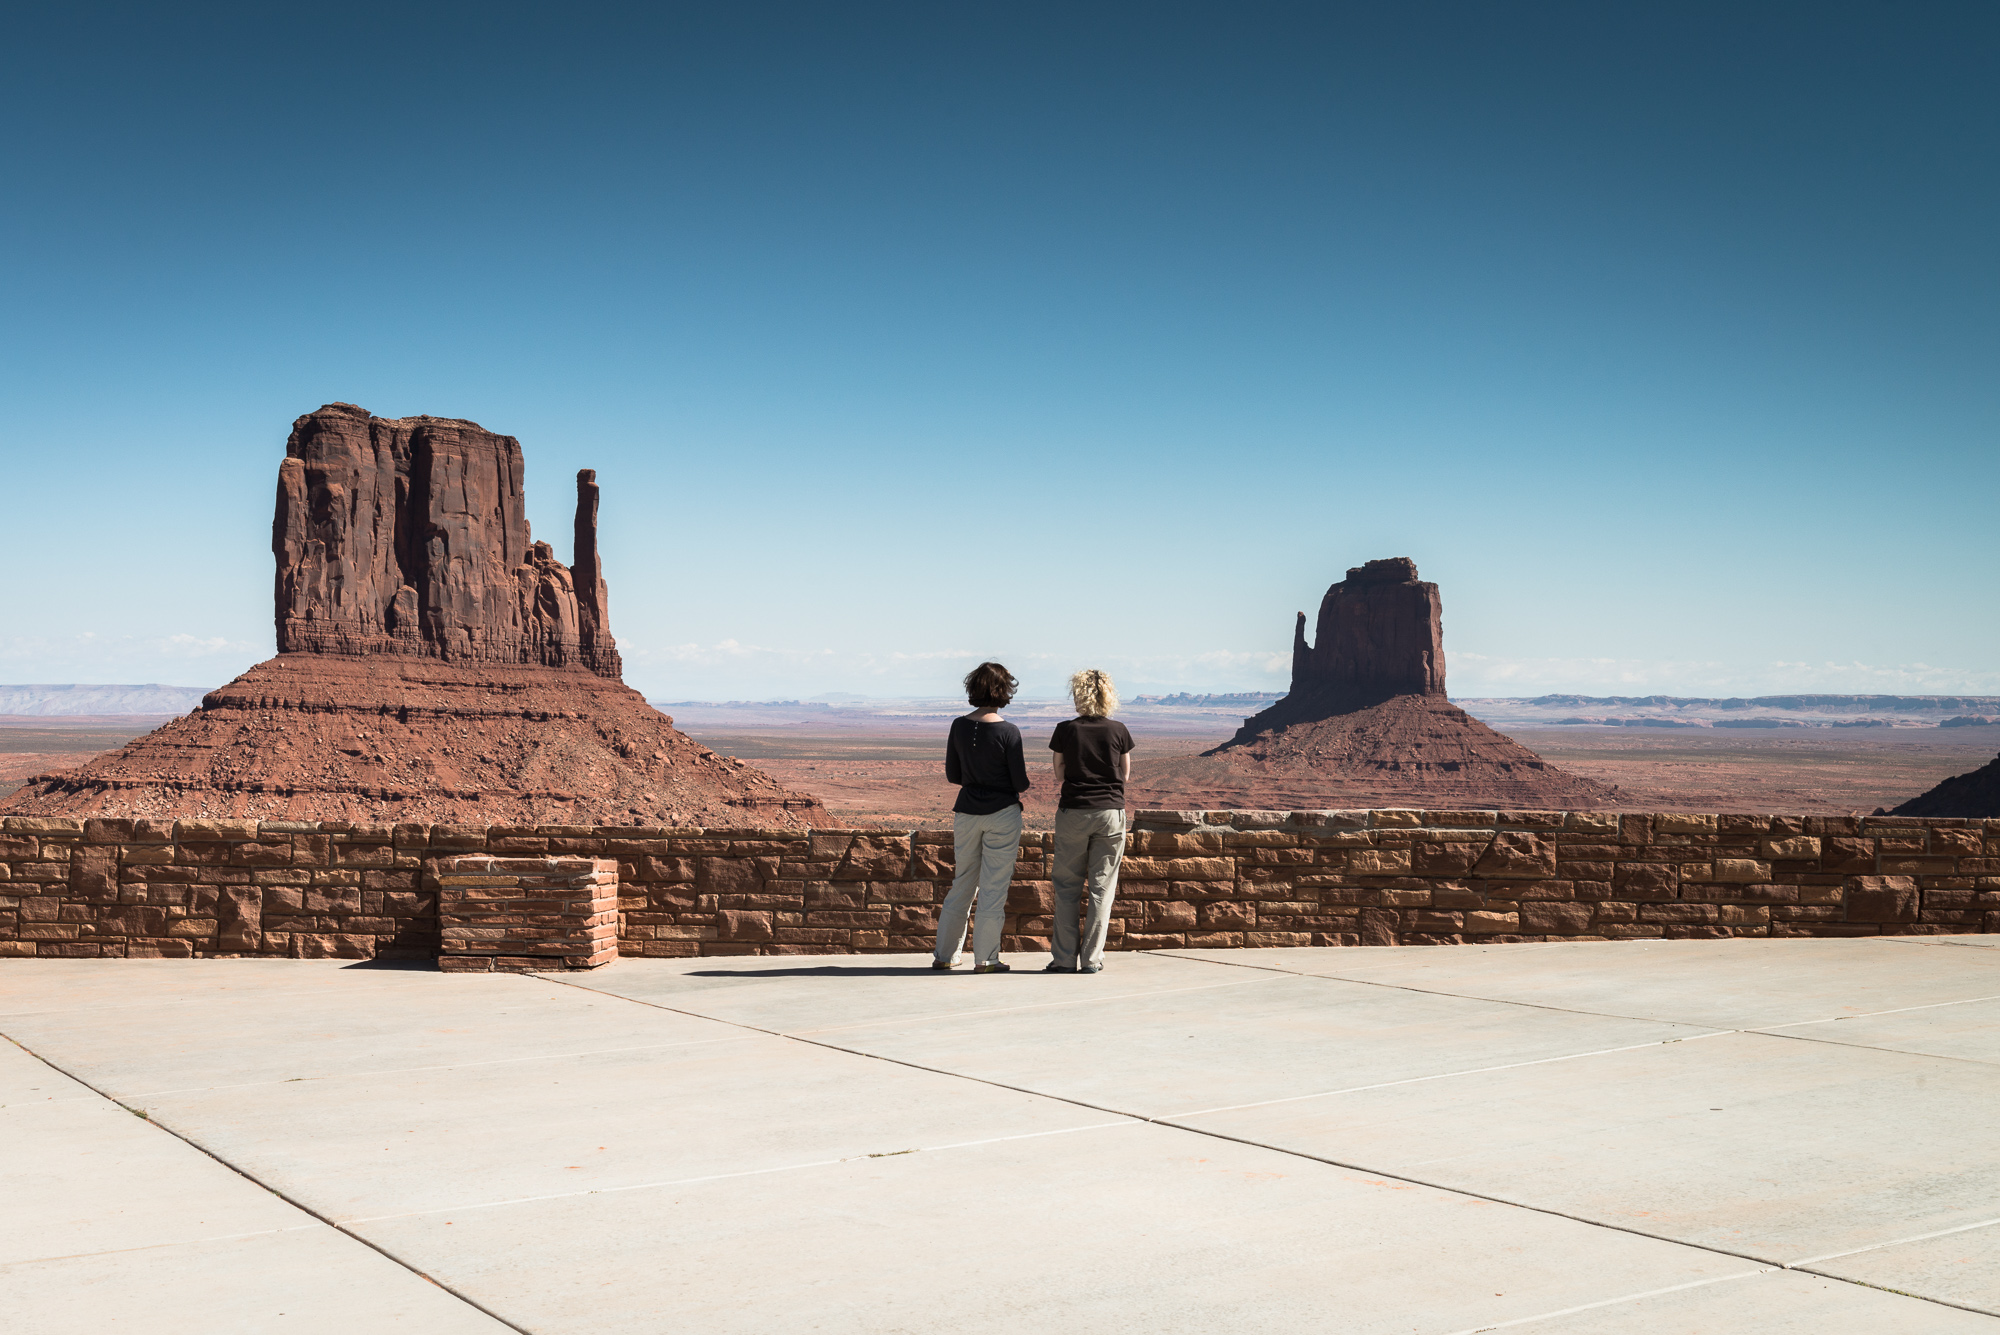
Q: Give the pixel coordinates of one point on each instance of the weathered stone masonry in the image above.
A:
(132, 888)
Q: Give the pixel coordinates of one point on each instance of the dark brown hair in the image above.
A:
(990, 686)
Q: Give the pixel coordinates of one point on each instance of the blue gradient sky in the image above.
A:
(1662, 336)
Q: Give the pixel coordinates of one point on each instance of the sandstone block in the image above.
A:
(1879, 899)
(1226, 915)
(1483, 923)
(1518, 855)
(1444, 858)
(903, 892)
(198, 831)
(1554, 918)
(1180, 869)
(1646, 880)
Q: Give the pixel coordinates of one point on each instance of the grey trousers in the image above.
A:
(1089, 847)
(984, 849)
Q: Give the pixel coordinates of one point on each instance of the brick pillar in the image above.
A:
(513, 915)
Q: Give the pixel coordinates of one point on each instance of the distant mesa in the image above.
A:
(1366, 722)
(1975, 795)
(84, 700)
(435, 664)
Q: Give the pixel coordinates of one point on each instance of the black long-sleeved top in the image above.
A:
(985, 760)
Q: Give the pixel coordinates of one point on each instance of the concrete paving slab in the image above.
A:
(418, 1141)
(88, 1176)
(28, 986)
(1776, 1302)
(1739, 984)
(1771, 1147)
(310, 1282)
(1962, 1267)
(1278, 1037)
(26, 1079)
(1968, 1031)
(747, 1181)
(1984, 940)
(787, 994)
(1135, 1229)
(217, 1036)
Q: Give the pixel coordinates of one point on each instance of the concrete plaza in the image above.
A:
(1661, 1136)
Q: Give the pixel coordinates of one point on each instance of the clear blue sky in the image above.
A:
(1662, 336)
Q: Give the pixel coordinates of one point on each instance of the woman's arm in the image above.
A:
(952, 772)
(1017, 766)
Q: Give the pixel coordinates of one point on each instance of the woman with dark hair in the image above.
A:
(983, 757)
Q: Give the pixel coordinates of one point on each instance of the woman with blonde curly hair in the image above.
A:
(1092, 761)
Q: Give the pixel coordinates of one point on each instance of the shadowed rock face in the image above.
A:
(1974, 794)
(410, 536)
(1380, 633)
(1366, 722)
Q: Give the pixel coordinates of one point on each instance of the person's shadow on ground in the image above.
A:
(821, 971)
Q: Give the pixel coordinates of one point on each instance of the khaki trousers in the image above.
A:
(1089, 847)
(984, 849)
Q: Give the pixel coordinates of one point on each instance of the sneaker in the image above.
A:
(995, 967)
(1053, 967)
(1090, 968)
(941, 964)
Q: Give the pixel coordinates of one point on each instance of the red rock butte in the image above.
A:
(1973, 794)
(1366, 723)
(435, 664)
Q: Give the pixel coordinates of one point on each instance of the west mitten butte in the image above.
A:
(435, 664)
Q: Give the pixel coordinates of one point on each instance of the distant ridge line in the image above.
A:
(61, 700)
(1940, 703)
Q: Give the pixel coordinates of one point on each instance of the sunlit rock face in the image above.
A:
(410, 536)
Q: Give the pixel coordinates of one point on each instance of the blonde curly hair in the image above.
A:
(1093, 693)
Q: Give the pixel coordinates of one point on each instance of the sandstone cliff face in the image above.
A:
(1380, 633)
(410, 536)
(1366, 722)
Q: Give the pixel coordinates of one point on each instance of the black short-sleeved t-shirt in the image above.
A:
(986, 761)
(1090, 750)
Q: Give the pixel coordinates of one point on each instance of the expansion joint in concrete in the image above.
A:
(1765, 1264)
(256, 1181)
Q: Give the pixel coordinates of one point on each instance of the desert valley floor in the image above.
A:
(893, 773)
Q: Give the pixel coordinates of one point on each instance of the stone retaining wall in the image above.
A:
(203, 888)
